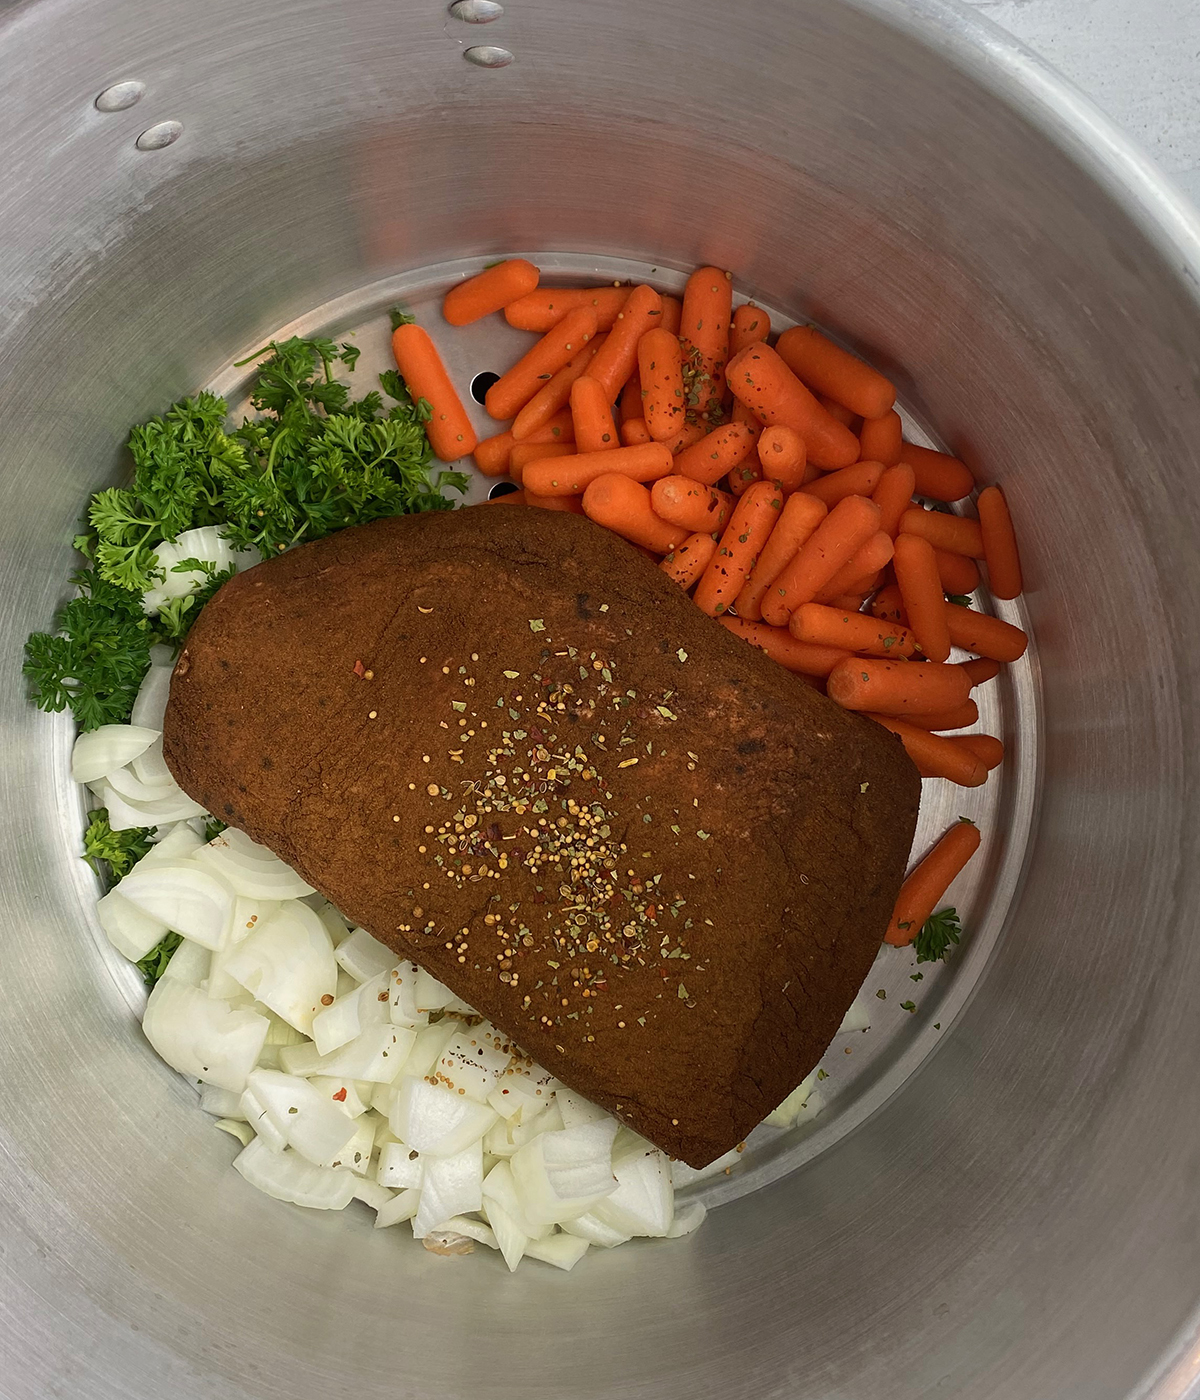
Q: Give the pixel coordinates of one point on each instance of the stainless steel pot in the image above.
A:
(1019, 1217)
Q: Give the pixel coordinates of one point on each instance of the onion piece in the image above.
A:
(377, 1055)
(123, 815)
(687, 1218)
(452, 1185)
(564, 1173)
(221, 1103)
(433, 995)
(299, 1114)
(858, 1017)
(180, 842)
(288, 1177)
(250, 869)
(364, 957)
(427, 1049)
(287, 962)
(500, 1190)
(473, 1060)
(237, 1128)
(356, 1155)
(403, 1009)
(337, 1025)
(342, 1092)
(644, 1201)
(575, 1109)
(370, 1193)
(434, 1120)
(184, 898)
(590, 1227)
(792, 1107)
(151, 704)
(189, 964)
(462, 1227)
(563, 1251)
(202, 1037)
(131, 931)
(102, 751)
(402, 1206)
(400, 1166)
(126, 783)
(523, 1088)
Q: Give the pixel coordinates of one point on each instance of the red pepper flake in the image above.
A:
(340, 1096)
(359, 670)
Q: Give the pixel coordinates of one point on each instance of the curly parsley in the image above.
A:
(938, 933)
(120, 851)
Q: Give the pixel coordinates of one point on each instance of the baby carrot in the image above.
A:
(999, 543)
(882, 438)
(846, 602)
(618, 358)
(742, 478)
(956, 533)
(783, 456)
(672, 314)
(591, 413)
(691, 503)
(750, 526)
(961, 717)
(660, 366)
(750, 324)
(981, 670)
(934, 754)
(958, 574)
(569, 476)
(630, 403)
(781, 646)
(554, 396)
(940, 477)
(634, 432)
(513, 390)
(623, 505)
(525, 452)
(844, 415)
(835, 541)
(828, 369)
(858, 480)
(490, 290)
(893, 496)
(852, 631)
(888, 606)
(574, 504)
(543, 309)
(491, 454)
(764, 383)
(704, 334)
(686, 562)
(687, 436)
(920, 893)
(986, 748)
(800, 516)
(742, 414)
(985, 635)
(449, 429)
(861, 573)
(921, 590)
(898, 687)
(716, 453)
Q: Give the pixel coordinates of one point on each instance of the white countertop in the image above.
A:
(1137, 59)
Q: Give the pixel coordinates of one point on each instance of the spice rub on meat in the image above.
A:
(512, 749)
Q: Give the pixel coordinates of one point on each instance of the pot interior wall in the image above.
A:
(1020, 1218)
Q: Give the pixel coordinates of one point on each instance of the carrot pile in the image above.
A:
(773, 482)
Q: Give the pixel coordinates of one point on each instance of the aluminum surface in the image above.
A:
(1018, 1220)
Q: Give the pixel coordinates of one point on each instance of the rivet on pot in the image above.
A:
(476, 11)
(120, 96)
(161, 134)
(488, 56)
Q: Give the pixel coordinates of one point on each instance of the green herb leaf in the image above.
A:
(938, 933)
(963, 600)
(120, 851)
(154, 964)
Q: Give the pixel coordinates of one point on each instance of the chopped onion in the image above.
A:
(340, 1091)
(356, 1155)
(683, 1175)
(287, 962)
(221, 1103)
(205, 543)
(102, 751)
(123, 815)
(563, 1251)
(300, 1115)
(130, 931)
(460, 1227)
(858, 1018)
(435, 1121)
(500, 1190)
(189, 964)
(644, 1201)
(399, 1166)
(250, 869)
(452, 1185)
(337, 1025)
(432, 995)
(377, 1055)
(404, 1010)
(184, 898)
(236, 1127)
(590, 1227)
(427, 1049)
(364, 957)
(179, 843)
(151, 704)
(126, 782)
(523, 1088)
(202, 1037)
(564, 1173)
(474, 1059)
(575, 1109)
(511, 1240)
(687, 1218)
(790, 1109)
(288, 1177)
(401, 1207)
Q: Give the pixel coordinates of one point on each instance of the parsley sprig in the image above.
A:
(938, 933)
